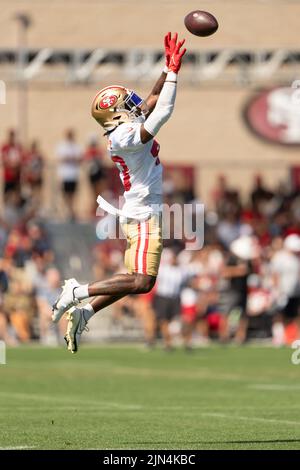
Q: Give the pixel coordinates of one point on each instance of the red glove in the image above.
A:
(170, 44)
(173, 53)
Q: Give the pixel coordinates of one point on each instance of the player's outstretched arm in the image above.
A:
(166, 99)
(170, 44)
(151, 100)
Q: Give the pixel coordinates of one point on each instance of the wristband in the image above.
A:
(171, 76)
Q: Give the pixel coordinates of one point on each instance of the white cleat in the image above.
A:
(65, 300)
(76, 326)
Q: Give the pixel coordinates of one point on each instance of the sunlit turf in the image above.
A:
(122, 397)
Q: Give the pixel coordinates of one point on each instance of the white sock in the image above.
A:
(88, 311)
(81, 292)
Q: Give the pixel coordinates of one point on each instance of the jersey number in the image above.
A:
(125, 172)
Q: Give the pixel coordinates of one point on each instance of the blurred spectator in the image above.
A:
(225, 199)
(3, 278)
(39, 239)
(18, 304)
(18, 210)
(18, 247)
(190, 312)
(259, 310)
(47, 291)
(285, 266)
(4, 284)
(166, 301)
(220, 191)
(93, 157)
(12, 155)
(199, 298)
(69, 156)
(33, 169)
(234, 290)
(143, 307)
(231, 227)
(4, 330)
(259, 194)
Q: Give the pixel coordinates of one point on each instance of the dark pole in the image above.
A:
(23, 22)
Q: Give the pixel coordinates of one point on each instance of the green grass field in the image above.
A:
(126, 398)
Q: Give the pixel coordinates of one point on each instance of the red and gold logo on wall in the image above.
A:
(274, 115)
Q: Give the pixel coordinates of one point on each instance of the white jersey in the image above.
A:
(140, 169)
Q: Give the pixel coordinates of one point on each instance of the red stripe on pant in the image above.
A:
(146, 249)
(138, 248)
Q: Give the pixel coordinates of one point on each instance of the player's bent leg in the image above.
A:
(121, 284)
(79, 317)
(142, 258)
(144, 283)
(118, 285)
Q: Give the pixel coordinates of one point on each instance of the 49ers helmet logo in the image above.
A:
(108, 101)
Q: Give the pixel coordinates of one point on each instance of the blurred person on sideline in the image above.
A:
(4, 284)
(145, 313)
(259, 308)
(18, 210)
(22, 245)
(69, 155)
(166, 302)
(4, 329)
(40, 240)
(221, 193)
(33, 170)
(259, 194)
(190, 310)
(18, 304)
(18, 247)
(46, 291)
(230, 227)
(285, 267)
(199, 296)
(199, 309)
(12, 155)
(140, 308)
(93, 157)
(234, 284)
(35, 269)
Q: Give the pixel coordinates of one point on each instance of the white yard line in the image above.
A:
(276, 387)
(251, 418)
(74, 401)
(178, 374)
(17, 447)
(51, 403)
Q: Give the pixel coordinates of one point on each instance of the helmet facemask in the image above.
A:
(136, 106)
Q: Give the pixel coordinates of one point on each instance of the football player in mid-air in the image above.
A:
(130, 125)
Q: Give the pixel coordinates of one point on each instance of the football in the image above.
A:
(201, 23)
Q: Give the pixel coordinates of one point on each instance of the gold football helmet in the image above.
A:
(115, 105)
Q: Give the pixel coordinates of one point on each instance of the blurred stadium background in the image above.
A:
(233, 144)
